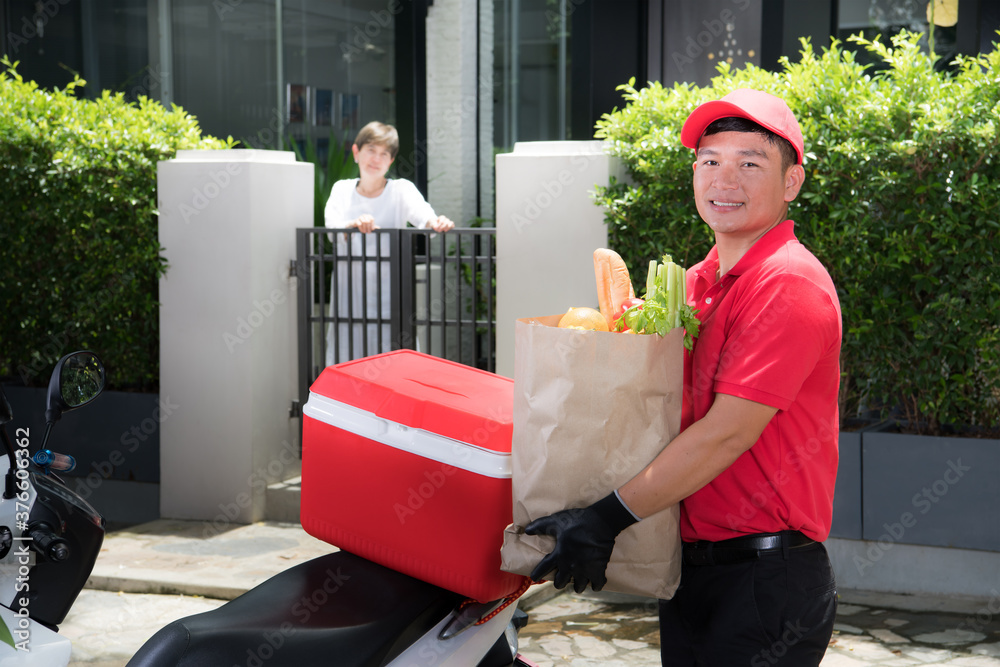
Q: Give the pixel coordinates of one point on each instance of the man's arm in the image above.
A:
(697, 455)
(586, 537)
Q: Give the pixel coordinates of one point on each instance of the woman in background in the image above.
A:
(367, 203)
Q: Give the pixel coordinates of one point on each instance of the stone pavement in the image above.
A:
(149, 575)
(200, 558)
(613, 630)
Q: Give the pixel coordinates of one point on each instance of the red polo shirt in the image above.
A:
(770, 333)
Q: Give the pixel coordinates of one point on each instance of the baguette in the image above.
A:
(613, 284)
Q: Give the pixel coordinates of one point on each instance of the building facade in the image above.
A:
(462, 80)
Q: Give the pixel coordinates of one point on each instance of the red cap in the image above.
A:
(762, 108)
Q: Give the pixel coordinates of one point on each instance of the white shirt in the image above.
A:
(399, 203)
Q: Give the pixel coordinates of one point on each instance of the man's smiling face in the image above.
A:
(740, 188)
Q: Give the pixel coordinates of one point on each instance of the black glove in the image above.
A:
(585, 539)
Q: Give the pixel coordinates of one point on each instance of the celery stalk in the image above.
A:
(665, 306)
(670, 289)
(679, 297)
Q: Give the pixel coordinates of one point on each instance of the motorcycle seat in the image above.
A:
(336, 609)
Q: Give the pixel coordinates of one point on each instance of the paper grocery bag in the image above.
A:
(592, 409)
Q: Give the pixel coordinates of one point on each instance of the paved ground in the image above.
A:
(152, 574)
(616, 631)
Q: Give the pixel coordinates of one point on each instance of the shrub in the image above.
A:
(901, 203)
(78, 237)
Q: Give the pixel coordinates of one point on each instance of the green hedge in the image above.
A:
(901, 203)
(78, 228)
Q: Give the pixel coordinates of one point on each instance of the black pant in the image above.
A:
(776, 610)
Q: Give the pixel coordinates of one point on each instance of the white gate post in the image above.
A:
(548, 226)
(228, 360)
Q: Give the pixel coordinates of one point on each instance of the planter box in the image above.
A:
(931, 491)
(847, 495)
(116, 444)
(117, 436)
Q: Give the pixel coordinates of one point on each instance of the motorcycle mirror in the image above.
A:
(77, 379)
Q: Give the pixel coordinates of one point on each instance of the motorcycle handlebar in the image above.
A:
(47, 544)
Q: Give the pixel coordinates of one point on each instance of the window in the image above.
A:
(224, 68)
(324, 67)
(341, 56)
(531, 65)
(872, 18)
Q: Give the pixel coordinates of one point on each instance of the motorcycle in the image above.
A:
(340, 609)
(49, 536)
(345, 610)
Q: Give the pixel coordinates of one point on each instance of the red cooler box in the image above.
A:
(406, 462)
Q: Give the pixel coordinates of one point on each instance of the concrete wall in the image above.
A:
(916, 515)
(460, 108)
(548, 227)
(227, 328)
(888, 566)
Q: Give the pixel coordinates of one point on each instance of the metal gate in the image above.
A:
(361, 294)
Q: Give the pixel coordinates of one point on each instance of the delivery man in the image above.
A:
(755, 464)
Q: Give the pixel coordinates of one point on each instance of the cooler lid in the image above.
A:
(419, 391)
(417, 441)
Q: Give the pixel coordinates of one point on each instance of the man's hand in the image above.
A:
(585, 539)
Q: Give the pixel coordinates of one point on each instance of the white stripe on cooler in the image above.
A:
(443, 449)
